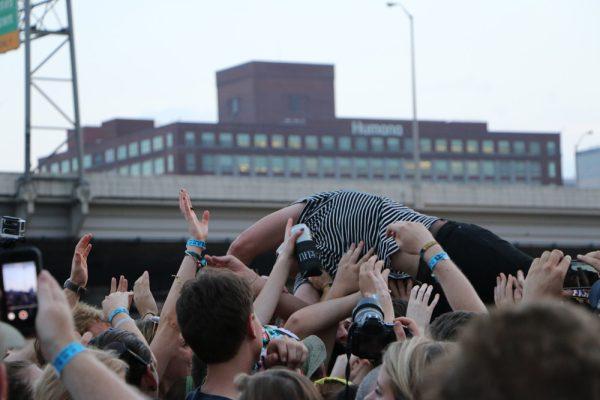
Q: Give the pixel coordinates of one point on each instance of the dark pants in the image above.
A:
(481, 255)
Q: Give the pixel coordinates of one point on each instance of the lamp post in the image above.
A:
(415, 122)
(583, 135)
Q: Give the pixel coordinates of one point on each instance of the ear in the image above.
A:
(251, 326)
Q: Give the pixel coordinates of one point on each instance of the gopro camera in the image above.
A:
(307, 253)
(19, 269)
(12, 229)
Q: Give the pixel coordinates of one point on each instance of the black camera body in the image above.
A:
(12, 229)
(369, 335)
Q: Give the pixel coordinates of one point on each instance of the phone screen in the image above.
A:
(20, 291)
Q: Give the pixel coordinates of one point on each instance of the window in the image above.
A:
(122, 152)
(393, 166)
(65, 166)
(243, 140)
(472, 146)
(488, 168)
(425, 165)
(190, 162)
(361, 144)
(328, 142)
(157, 143)
(207, 139)
(311, 164)
(74, 165)
(124, 170)
(345, 143)
(169, 140)
(147, 167)
(294, 165)
(504, 147)
(277, 165)
(519, 147)
(441, 145)
(535, 169)
(294, 142)
(440, 167)
(55, 168)
(135, 169)
(225, 163)
(362, 166)
(297, 103)
(456, 146)
(408, 165)
(487, 147)
(242, 164)
(551, 168)
(133, 149)
(408, 145)
(261, 165)
(504, 169)
(170, 163)
(520, 169)
(233, 106)
(109, 155)
(208, 163)
(261, 140)
(328, 165)
(87, 161)
(226, 139)
(344, 166)
(393, 144)
(551, 149)
(311, 142)
(159, 166)
(377, 167)
(473, 168)
(98, 159)
(425, 145)
(457, 168)
(190, 139)
(535, 148)
(277, 141)
(145, 148)
(377, 144)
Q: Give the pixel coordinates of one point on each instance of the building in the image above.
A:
(588, 168)
(278, 120)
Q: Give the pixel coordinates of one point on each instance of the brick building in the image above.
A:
(278, 120)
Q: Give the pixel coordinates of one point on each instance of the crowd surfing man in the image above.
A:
(529, 346)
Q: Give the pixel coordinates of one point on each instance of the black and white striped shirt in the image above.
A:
(338, 219)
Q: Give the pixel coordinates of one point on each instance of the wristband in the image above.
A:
(66, 355)
(121, 321)
(426, 247)
(200, 261)
(436, 259)
(196, 243)
(73, 287)
(116, 312)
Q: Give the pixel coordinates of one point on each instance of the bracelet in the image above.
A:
(148, 313)
(121, 321)
(196, 243)
(66, 355)
(200, 261)
(73, 287)
(426, 247)
(436, 259)
(116, 312)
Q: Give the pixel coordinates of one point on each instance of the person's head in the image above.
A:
(89, 319)
(447, 326)
(341, 335)
(22, 376)
(276, 383)
(332, 388)
(216, 318)
(403, 366)
(543, 351)
(50, 387)
(148, 327)
(129, 348)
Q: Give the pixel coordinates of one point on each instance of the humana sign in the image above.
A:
(373, 129)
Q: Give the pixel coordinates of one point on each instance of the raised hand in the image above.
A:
(400, 288)
(289, 243)
(419, 308)
(79, 267)
(373, 282)
(508, 290)
(401, 323)
(346, 277)
(410, 236)
(142, 296)
(546, 276)
(198, 229)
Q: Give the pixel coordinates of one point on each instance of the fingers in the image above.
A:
(206, 217)
(421, 293)
(368, 254)
(520, 278)
(592, 259)
(356, 253)
(288, 228)
(563, 266)
(435, 301)
(113, 284)
(508, 291)
(86, 338)
(411, 325)
(414, 292)
(385, 274)
(123, 284)
(399, 330)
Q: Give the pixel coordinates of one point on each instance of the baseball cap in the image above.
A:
(317, 354)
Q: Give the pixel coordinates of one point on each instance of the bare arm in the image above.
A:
(79, 268)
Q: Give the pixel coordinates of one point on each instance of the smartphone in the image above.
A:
(580, 275)
(398, 276)
(19, 269)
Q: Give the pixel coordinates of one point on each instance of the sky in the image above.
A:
(519, 65)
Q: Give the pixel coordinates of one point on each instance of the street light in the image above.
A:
(583, 135)
(415, 123)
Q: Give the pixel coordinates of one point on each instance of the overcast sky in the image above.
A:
(520, 65)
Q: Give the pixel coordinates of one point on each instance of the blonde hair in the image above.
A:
(405, 363)
(49, 386)
(276, 383)
(85, 316)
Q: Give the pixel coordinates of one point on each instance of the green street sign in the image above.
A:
(9, 25)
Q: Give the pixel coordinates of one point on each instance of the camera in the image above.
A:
(13, 229)
(307, 253)
(369, 335)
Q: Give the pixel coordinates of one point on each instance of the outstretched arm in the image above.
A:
(79, 268)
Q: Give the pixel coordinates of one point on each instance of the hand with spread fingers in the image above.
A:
(400, 288)
(79, 266)
(419, 308)
(508, 290)
(410, 236)
(373, 283)
(346, 277)
(197, 228)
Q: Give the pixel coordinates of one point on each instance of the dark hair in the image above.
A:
(129, 348)
(276, 383)
(542, 351)
(18, 386)
(198, 371)
(213, 312)
(148, 328)
(447, 326)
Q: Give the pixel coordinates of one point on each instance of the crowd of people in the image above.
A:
(464, 315)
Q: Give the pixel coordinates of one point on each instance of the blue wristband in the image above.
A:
(197, 243)
(66, 355)
(433, 262)
(116, 312)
